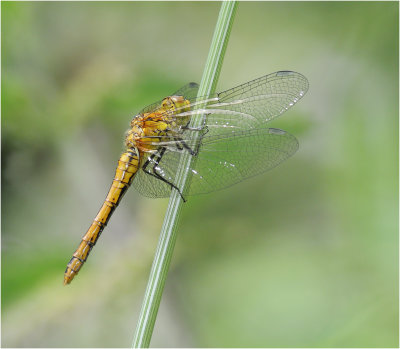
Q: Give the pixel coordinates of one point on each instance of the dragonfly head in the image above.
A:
(137, 120)
(135, 132)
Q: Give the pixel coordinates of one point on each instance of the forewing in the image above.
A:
(150, 108)
(222, 161)
(247, 106)
(189, 91)
(287, 86)
(265, 98)
(250, 105)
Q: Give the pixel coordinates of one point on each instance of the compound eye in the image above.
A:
(177, 99)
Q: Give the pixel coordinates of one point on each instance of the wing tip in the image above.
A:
(283, 73)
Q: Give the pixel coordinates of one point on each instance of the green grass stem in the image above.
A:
(166, 243)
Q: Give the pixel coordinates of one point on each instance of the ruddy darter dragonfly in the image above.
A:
(231, 144)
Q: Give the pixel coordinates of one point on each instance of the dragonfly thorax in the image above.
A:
(150, 128)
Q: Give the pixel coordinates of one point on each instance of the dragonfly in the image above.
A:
(230, 143)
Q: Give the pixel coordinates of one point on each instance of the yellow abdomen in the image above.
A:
(128, 165)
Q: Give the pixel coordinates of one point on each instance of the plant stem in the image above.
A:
(168, 233)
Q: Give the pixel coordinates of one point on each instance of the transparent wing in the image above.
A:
(235, 144)
(188, 91)
(150, 108)
(257, 102)
(223, 160)
(246, 106)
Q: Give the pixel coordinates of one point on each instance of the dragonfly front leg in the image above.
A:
(200, 128)
(156, 158)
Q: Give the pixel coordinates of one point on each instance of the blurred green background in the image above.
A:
(303, 256)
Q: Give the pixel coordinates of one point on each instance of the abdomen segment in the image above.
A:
(128, 165)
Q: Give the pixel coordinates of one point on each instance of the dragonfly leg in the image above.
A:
(178, 146)
(157, 158)
(184, 144)
(190, 150)
(200, 128)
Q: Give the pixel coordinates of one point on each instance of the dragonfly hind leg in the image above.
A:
(156, 157)
(183, 145)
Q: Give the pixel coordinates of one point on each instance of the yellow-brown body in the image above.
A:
(147, 129)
